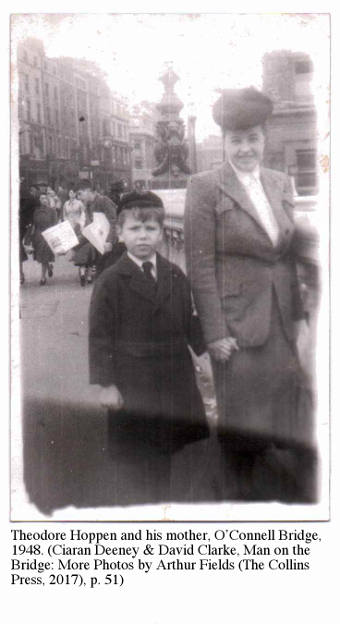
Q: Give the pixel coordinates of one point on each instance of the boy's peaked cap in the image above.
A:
(139, 199)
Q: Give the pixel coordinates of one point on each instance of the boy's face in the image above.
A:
(141, 238)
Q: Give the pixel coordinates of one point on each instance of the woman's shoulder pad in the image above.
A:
(276, 175)
(204, 177)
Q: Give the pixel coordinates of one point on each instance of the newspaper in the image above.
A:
(97, 231)
(60, 238)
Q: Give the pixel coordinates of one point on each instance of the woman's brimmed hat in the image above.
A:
(141, 199)
(240, 109)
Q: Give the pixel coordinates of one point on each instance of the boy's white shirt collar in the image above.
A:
(140, 263)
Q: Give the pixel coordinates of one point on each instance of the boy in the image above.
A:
(141, 323)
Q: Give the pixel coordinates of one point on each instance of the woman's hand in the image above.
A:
(222, 349)
(111, 398)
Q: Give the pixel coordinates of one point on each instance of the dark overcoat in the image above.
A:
(139, 342)
(85, 253)
(43, 218)
(246, 287)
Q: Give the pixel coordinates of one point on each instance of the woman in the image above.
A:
(44, 217)
(74, 212)
(54, 200)
(239, 227)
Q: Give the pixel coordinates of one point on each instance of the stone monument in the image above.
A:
(171, 150)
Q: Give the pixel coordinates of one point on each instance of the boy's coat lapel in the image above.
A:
(138, 281)
(142, 286)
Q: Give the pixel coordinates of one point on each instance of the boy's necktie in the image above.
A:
(147, 266)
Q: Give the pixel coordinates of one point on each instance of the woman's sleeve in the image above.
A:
(82, 218)
(200, 249)
(54, 218)
(298, 311)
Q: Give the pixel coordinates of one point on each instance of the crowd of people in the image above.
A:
(42, 208)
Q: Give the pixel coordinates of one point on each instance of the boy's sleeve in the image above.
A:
(194, 332)
(101, 325)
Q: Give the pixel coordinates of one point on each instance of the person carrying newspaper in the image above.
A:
(44, 217)
(86, 256)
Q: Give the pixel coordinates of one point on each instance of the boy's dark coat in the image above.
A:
(139, 342)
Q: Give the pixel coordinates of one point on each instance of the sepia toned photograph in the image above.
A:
(169, 263)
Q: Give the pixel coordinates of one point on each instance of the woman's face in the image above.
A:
(72, 195)
(244, 148)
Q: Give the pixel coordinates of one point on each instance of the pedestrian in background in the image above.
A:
(74, 212)
(94, 202)
(44, 217)
(54, 201)
(28, 203)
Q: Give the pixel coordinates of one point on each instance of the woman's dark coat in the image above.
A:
(44, 218)
(245, 287)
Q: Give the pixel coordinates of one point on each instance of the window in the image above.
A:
(28, 109)
(39, 113)
(48, 115)
(31, 144)
(59, 147)
(119, 131)
(56, 116)
(55, 91)
(38, 144)
(27, 83)
(138, 163)
(47, 89)
(303, 80)
(106, 127)
(81, 84)
(303, 67)
(37, 85)
(21, 143)
(306, 177)
(35, 61)
(137, 145)
(50, 145)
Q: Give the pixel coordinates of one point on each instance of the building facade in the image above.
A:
(142, 142)
(210, 152)
(291, 144)
(70, 124)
